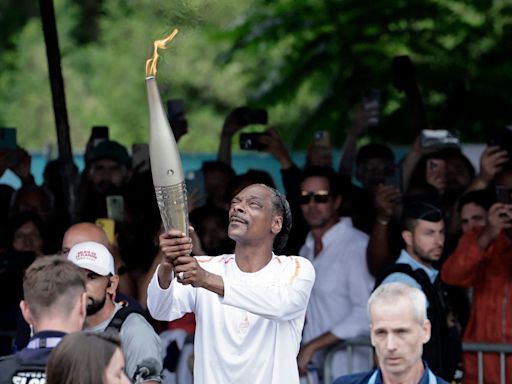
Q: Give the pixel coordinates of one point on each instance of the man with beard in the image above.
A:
(140, 344)
(250, 305)
(424, 235)
(107, 174)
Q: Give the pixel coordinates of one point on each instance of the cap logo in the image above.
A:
(86, 255)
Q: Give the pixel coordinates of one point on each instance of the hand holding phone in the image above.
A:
(439, 138)
(322, 139)
(504, 194)
(371, 102)
(115, 207)
(252, 141)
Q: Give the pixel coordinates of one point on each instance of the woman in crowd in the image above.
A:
(87, 358)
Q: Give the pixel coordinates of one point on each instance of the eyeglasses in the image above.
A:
(321, 197)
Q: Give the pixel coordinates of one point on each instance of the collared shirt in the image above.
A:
(40, 346)
(399, 277)
(341, 290)
(375, 377)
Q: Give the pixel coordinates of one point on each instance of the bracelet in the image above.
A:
(382, 222)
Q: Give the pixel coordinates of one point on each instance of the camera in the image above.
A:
(250, 141)
(248, 116)
(439, 138)
(502, 138)
(392, 177)
(99, 133)
(504, 194)
(322, 138)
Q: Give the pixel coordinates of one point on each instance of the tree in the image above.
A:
(323, 54)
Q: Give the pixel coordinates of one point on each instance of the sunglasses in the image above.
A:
(321, 197)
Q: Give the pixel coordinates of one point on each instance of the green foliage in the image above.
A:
(337, 48)
(308, 62)
(104, 79)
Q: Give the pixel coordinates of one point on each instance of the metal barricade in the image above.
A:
(481, 348)
(348, 345)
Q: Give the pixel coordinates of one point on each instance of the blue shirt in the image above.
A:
(365, 377)
(399, 277)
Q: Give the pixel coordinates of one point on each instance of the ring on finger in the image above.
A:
(181, 275)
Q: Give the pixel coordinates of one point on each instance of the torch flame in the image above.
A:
(151, 62)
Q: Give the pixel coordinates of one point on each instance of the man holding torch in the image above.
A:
(250, 305)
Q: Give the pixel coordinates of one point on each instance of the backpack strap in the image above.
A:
(117, 321)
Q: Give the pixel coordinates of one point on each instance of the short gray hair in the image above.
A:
(391, 292)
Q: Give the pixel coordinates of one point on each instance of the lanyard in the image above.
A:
(431, 378)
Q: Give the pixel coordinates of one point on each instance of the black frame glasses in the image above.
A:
(320, 197)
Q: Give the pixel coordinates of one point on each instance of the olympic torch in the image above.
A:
(166, 168)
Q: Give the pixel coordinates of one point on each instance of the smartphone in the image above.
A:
(251, 141)
(504, 194)
(392, 177)
(115, 207)
(99, 133)
(257, 116)
(248, 116)
(8, 138)
(322, 138)
(402, 70)
(502, 138)
(372, 103)
(439, 138)
(175, 108)
(109, 227)
(140, 157)
(195, 187)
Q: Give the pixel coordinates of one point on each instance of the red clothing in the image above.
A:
(187, 323)
(489, 272)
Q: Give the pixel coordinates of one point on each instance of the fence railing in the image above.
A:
(479, 348)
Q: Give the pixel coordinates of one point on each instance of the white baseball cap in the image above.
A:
(92, 256)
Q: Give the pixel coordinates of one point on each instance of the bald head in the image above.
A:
(81, 232)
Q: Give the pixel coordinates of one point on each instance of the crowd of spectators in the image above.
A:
(430, 210)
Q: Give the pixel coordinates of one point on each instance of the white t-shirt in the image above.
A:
(253, 333)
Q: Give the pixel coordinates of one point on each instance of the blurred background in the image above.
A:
(307, 62)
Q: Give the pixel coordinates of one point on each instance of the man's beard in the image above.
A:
(425, 257)
(96, 305)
